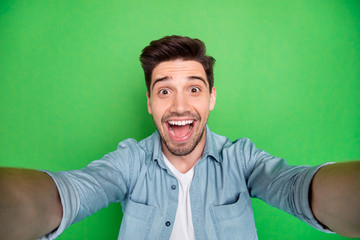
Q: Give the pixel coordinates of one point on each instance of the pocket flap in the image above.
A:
(139, 210)
(231, 211)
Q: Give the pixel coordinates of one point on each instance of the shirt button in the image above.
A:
(173, 187)
(167, 223)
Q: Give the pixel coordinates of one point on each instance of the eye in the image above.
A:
(194, 90)
(164, 92)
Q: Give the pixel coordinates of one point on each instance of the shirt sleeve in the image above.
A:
(84, 192)
(281, 185)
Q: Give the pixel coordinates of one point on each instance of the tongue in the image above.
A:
(180, 131)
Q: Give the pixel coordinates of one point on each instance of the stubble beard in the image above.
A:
(181, 149)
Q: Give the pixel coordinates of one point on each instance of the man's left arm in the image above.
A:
(335, 197)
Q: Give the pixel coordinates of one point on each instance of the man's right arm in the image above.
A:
(30, 205)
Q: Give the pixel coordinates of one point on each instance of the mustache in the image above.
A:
(168, 116)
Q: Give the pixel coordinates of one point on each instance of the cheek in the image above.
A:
(203, 108)
(157, 111)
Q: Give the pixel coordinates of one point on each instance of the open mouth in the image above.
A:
(180, 130)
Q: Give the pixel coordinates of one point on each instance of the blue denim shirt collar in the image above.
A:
(209, 150)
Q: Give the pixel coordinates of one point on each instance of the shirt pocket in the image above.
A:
(137, 221)
(234, 221)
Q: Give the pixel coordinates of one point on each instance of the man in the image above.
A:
(183, 181)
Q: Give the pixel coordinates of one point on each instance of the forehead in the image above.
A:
(178, 68)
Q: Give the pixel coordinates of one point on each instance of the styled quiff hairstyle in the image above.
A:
(172, 48)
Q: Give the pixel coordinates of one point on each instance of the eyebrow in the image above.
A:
(167, 78)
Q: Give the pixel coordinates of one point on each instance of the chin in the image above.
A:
(183, 149)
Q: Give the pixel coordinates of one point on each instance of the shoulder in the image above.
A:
(135, 151)
(132, 145)
(241, 151)
(222, 143)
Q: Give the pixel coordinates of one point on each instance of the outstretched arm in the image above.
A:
(30, 205)
(335, 199)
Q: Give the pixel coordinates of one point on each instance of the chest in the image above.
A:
(219, 199)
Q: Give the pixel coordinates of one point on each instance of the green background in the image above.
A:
(287, 77)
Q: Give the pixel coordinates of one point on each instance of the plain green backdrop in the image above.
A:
(287, 77)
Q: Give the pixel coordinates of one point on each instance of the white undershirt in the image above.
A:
(183, 228)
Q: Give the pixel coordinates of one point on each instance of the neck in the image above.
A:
(184, 163)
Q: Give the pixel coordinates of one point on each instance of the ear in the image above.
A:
(148, 102)
(212, 98)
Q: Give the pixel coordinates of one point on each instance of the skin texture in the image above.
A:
(30, 205)
(180, 91)
(335, 198)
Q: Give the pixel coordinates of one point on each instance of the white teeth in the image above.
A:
(181, 123)
(172, 132)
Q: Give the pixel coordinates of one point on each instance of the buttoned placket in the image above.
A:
(173, 199)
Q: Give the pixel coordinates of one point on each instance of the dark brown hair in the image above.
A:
(176, 47)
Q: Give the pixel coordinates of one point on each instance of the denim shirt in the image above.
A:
(226, 176)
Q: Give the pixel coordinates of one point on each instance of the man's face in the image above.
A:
(180, 102)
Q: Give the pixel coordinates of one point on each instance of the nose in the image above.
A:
(180, 103)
